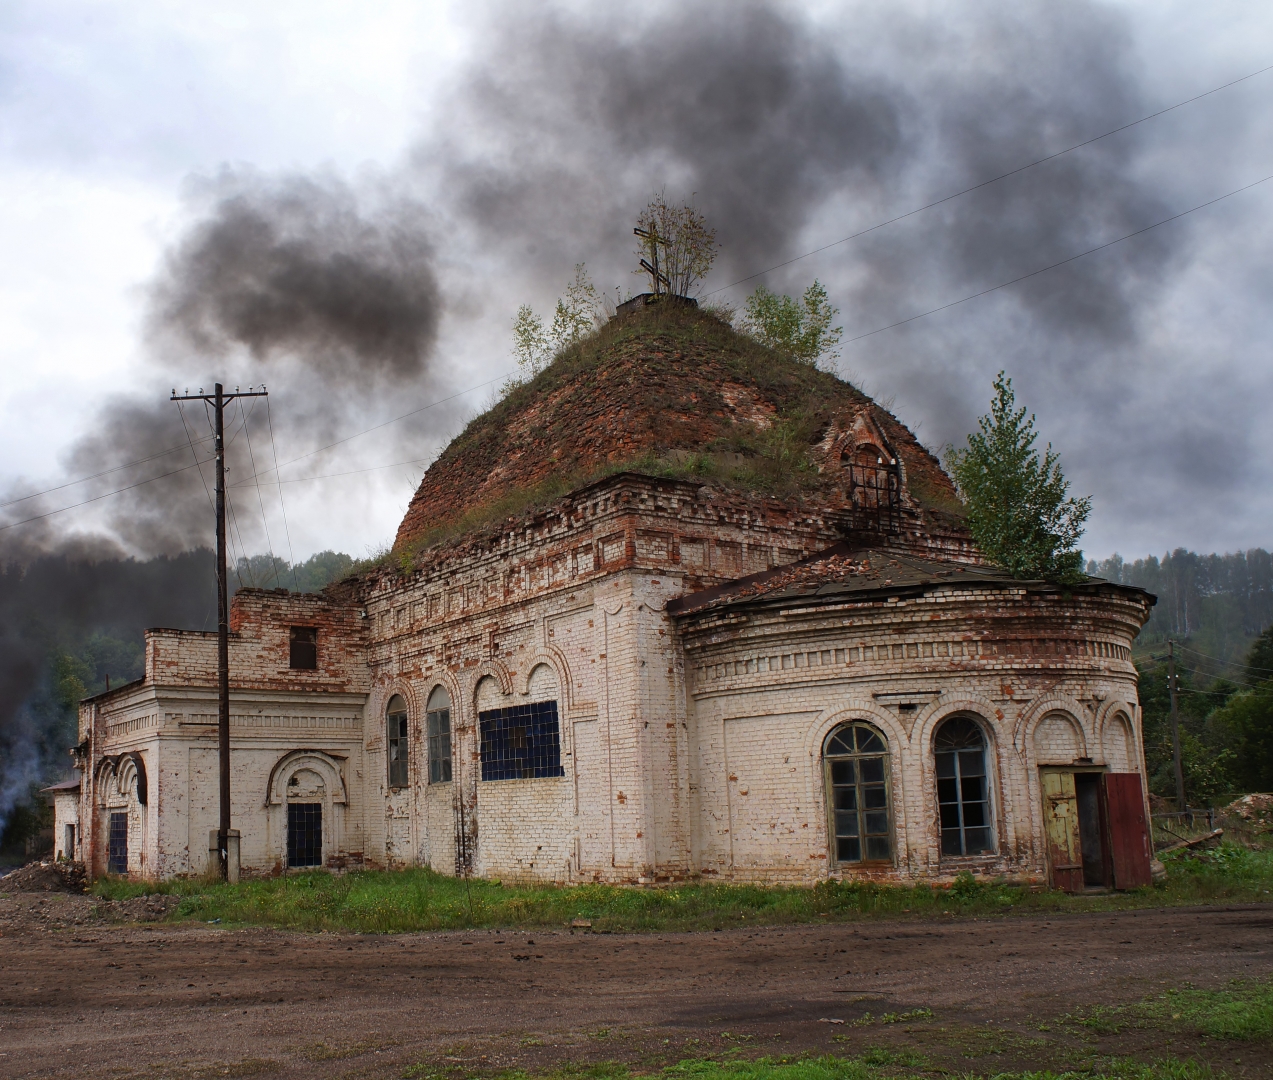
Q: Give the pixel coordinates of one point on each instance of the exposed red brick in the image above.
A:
(654, 385)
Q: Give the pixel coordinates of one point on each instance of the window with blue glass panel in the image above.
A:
(521, 743)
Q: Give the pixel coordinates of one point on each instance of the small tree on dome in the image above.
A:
(576, 314)
(1019, 511)
(800, 328)
(677, 248)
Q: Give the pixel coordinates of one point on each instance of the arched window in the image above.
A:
(963, 789)
(438, 724)
(856, 763)
(396, 733)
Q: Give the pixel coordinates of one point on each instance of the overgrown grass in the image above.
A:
(875, 1064)
(1241, 1011)
(414, 900)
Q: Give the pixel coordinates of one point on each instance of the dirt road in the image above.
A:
(90, 1000)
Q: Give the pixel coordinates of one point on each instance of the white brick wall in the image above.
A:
(687, 748)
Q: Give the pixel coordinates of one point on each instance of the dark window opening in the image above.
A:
(856, 757)
(963, 789)
(304, 642)
(396, 732)
(521, 743)
(874, 488)
(117, 849)
(304, 834)
(1087, 789)
(438, 727)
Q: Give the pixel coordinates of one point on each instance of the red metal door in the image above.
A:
(1128, 830)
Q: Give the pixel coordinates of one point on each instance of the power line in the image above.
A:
(404, 416)
(992, 180)
(193, 454)
(95, 476)
(327, 476)
(106, 495)
(291, 557)
(222, 472)
(1230, 663)
(1062, 262)
(234, 522)
(1231, 682)
(269, 544)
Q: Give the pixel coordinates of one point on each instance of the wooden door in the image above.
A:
(1129, 842)
(1061, 827)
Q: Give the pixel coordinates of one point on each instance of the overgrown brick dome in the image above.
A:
(671, 391)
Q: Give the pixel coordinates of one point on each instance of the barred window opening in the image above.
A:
(438, 731)
(396, 733)
(963, 788)
(117, 851)
(857, 777)
(521, 743)
(304, 834)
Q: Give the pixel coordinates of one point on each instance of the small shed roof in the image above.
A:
(66, 785)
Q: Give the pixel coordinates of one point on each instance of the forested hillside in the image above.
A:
(1215, 607)
(1219, 603)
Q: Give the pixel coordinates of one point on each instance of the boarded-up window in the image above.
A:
(521, 743)
(304, 648)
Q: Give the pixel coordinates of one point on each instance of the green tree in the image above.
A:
(677, 245)
(1247, 719)
(534, 346)
(800, 328)
(1019, 511)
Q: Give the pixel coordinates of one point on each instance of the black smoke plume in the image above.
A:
(788, 130)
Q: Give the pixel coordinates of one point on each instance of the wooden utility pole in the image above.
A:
(218, 399)
(1175, 728)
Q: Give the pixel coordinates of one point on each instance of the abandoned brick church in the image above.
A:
(676, 608)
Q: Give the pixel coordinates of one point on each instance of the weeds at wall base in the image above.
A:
(403, 901)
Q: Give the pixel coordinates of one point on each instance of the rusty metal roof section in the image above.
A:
(842, 572)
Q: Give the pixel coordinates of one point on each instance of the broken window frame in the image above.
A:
(396, 742)
(437, 723)
(952, 790)
(874, 488)
(871, 794)
(302, 648)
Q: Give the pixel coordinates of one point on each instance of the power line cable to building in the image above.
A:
(260, 498)
(992, 180)
(404, 416)
(879, 330)
(1061, 262)
(291, 557)
(740, 281)
(327, 476)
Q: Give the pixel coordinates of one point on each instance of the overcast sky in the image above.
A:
(350, 201)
